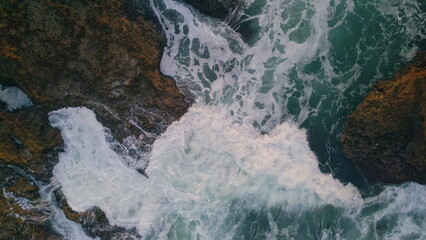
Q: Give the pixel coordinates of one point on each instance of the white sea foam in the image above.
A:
(396, 213)
(198, 167)
(241, 75)
(255, 75)
(67, 228)
(267, 82)
(14, 98)
(212, 168)
(48, 205)
(90, 172)
(204, 166)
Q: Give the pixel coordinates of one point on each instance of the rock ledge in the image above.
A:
(386, 134)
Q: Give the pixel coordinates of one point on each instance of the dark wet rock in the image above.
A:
(142, 172)
(20, 215)
(72, 53)
(67, 53)
(386, 135)
(28, 141)
(94, 222)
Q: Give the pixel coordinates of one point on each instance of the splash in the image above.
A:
(203, 157)
(307, 56)
(207, 175)
(238, 165)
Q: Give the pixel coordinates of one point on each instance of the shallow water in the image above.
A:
(257, 155)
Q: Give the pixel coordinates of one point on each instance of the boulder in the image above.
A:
(97, 54)
(386, 134)
(88, 53)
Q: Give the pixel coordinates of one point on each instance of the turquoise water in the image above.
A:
(257, 155)
(310, 62)
(349, 45)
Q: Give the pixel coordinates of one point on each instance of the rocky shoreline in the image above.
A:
(97, 54)
(105, 56)
(221, 9)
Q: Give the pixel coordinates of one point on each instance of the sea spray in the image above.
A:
(200, 167)
(208, 177)
(310, 56)
(237, 165)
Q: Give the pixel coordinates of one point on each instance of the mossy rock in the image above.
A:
(68, 53)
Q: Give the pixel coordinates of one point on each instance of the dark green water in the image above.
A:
(310, 62)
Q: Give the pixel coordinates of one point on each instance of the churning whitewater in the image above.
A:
(238, 165)
(203, 168)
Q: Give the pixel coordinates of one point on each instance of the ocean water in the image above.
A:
(257, 155)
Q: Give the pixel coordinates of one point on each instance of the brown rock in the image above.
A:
(76, 53)
(386, 135)
(89, 53)
(28, 141)
(21, 217)
(95, 222)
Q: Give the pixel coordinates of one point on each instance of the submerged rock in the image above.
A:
(76, 53)
(386, 135)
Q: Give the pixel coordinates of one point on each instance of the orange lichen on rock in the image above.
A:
(16, 220)
(8, 51)
(386, 134)
(26, 136)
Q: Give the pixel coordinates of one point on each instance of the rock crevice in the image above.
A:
(76, 53)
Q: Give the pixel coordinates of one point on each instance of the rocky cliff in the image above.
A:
(97, 54)
(386, 134)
